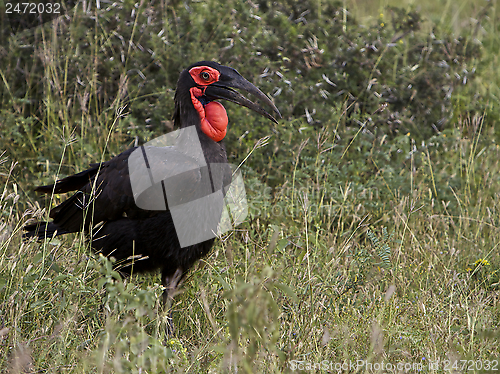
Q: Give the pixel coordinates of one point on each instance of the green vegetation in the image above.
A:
(374, 205)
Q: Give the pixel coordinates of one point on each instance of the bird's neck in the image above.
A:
(185, 116)
(192, 108)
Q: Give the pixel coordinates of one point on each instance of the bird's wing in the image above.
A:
(129, 186)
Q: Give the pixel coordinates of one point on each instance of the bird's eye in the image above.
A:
(205, 75)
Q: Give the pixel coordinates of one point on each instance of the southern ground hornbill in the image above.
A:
(104, 205)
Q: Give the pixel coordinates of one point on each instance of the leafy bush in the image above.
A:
(383, 172)
(322, 68)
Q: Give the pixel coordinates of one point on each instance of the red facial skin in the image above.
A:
(213, 116)
(196, 74)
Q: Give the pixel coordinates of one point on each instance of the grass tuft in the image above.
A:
(373, 224)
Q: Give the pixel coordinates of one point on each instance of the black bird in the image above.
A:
(104, 205)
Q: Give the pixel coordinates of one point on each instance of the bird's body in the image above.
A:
(104, 205)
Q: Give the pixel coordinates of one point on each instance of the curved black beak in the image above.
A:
(223, 89)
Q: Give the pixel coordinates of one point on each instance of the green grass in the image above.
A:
(367, 238)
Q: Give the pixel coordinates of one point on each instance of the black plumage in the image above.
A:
(103, 205)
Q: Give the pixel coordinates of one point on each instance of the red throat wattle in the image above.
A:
(213, 116)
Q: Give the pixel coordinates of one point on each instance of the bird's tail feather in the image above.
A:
(71, 183)
(42, 230)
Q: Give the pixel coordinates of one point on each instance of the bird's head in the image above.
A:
(204, 82)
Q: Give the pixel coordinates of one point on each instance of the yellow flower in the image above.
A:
(408, 133)
(382, 24)
(482, 262)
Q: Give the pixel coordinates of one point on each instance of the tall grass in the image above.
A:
(363, 242)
